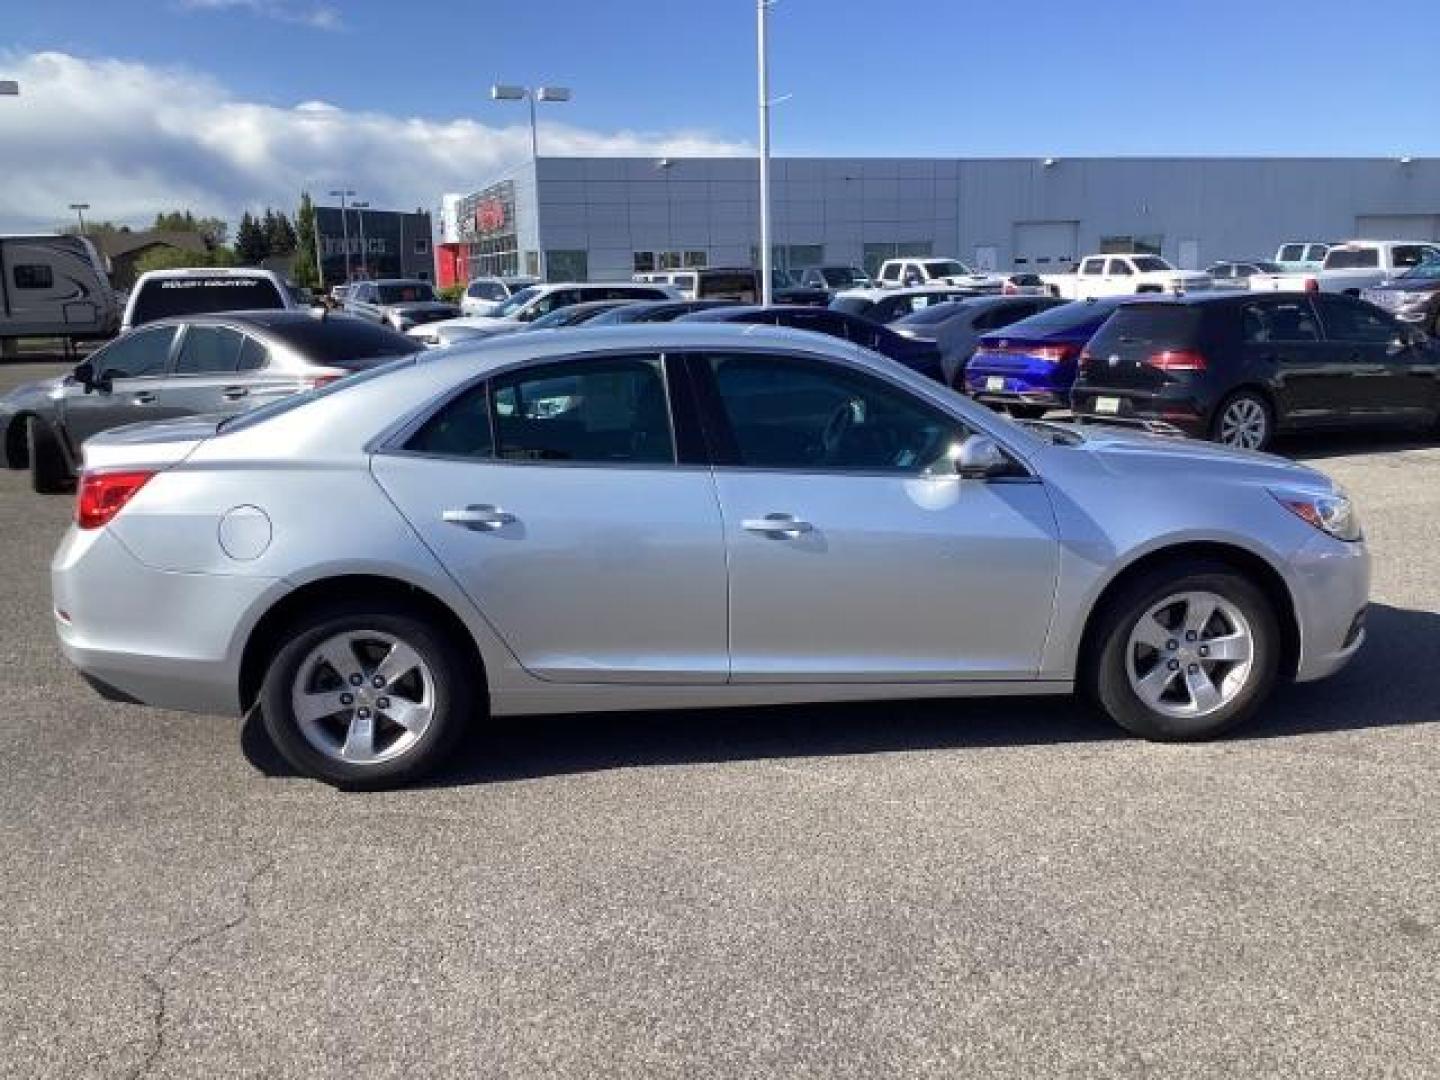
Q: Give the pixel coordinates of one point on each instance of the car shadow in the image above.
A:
(1318, 445)
(1394, 681)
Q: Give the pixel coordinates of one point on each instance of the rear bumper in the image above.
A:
(171, 640)
(1178, 407)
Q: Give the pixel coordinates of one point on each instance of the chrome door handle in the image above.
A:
(234, 393)
(777, 525)
(479, 517)
(143, 399)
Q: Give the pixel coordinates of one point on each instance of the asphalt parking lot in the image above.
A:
(985, 889)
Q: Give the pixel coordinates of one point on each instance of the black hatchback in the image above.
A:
(1238, 367)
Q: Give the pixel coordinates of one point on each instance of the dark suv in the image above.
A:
(1239, 367)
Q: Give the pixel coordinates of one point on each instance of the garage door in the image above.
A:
(1397, 226)
(1045, 246)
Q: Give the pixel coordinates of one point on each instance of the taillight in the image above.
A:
(1177, 360)
(1312, 284)
(1053, 354)
(102, 495)
(314, 382)
(1010, 288)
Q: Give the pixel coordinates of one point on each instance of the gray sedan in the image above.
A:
(225, 363)
(677, 515)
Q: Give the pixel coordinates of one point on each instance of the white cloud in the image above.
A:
(131, 139)
(318, 16)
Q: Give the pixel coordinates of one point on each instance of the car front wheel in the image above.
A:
(1186, 652)
(366, 698)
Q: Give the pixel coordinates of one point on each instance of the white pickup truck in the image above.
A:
(1351, 267)
(1119, 275)
(904, 273)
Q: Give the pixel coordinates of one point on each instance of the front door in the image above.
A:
(856, 553)
(1385, 373)
(555, 497)
(135, 365)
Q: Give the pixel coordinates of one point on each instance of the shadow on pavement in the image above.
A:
(1318, 445)
(1394, 681)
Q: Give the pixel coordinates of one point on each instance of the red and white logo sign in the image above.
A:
(490, 216)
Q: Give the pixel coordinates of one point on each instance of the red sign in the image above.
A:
(490, 216)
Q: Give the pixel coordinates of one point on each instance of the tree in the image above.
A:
(304, 271)
(168, 258)
(215, 231)
(251, 243)
(279, 233)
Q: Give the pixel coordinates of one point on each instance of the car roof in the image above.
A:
(907, 290)
(264, 318)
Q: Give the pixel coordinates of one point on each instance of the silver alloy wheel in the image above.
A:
(1244, 423)
(363, 697)
(1190, 655)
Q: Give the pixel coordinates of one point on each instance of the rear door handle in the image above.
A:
(777, 525)
(480, 517)
(143, 398)
(234, 393)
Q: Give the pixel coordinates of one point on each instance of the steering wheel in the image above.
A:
(836, 428)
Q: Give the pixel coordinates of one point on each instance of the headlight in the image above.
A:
(1331, 512)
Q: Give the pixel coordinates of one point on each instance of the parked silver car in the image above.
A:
(676, 515)
(401, 303)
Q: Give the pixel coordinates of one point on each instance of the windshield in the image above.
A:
(405, 292)
(1150, 264)
(517, 301)
(1429, 270)
(946, 268)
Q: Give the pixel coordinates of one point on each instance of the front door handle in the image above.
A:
(143, 398)
(235, 393)
(481, 517)
(777, 525)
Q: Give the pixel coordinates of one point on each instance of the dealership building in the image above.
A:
(608, 218)
(379, 243)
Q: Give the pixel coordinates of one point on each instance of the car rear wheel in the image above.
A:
(1243, 420)
(1186, 652)
(366, 697)
(48, 471)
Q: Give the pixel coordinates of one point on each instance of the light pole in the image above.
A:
(342, 195)
(360, 208)
(762, 19)
(80, 208)
(505, 92)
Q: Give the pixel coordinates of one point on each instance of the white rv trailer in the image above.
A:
(54, 286)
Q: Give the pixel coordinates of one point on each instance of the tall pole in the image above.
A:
(345, 229)
(762, 17)
(80, 208)
(360, 208)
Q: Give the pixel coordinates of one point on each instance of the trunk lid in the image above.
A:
(157, 445)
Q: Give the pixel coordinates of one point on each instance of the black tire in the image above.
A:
(454, 685)
(1106, 676)
(49, 472)
(1027, 412)
(1240, 399)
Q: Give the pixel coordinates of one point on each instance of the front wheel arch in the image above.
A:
(268, 635)
(1246, 563)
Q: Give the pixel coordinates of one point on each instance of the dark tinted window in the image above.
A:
(793, 414)
(253, 355)
(607, 411)
(1351, 320)
(460, 429)
(1150, 264)
(1120, 267)
(404, 292)
(486, 290)
(137, 354)
(1352, 258)
(819, 322)
(1003, 315)
(33, 276)
(161, 298)
(207, 350)
(935, 313)
(1292, 252)
(1066, 318)
(738, 285)
(1412, 255)
(343, 341)
(854, 305)
(1161, 325)
(1267, 321)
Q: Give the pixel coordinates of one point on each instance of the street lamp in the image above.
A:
(80, 208)
(360, 208)
(506, 92)
(342, 194)
(762, 19)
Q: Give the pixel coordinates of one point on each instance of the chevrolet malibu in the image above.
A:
(675, 515)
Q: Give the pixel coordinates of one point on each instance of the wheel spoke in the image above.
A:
(1204, 693)
(339, 653)
(413, 716)
(398, 662)
(1148, 631)
(1231, 647)
(1153, 685)
(1199, 610)
(360, 738)
(318, 706)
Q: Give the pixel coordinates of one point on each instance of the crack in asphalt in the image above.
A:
(155, 980)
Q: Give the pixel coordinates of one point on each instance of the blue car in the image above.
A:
(1029, 367)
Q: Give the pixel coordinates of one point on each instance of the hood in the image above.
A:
(1412, 285)
(1130, 453)
(26, 393)
(477, 322)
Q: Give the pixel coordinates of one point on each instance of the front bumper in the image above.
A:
(1332, 591)
(161, 638)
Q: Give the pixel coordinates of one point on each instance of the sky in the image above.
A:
(223, 105)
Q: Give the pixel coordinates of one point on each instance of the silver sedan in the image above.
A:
(676, 515)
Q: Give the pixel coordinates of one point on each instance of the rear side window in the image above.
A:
(611, 411)
(136, 355)
(1352, 259)
(253, 355)
(343, 341)
(1268, 321)
(162, 298)
(33, 276)
(208, 350)
(460, 429)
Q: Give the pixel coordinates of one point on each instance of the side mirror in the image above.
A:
(86, 375)
(979, 457)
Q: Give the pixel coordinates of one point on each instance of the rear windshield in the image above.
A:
(1149, 324)
(162, 298)
(405, 292)
(1062, 319)
(1352, 258)
(852, 305)
(344, 342)
(928, 316)
(728, 285)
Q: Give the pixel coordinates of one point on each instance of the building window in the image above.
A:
(568, 265)
(33, 276)
(532, 264)
(422, 246)
(644, 262)
(696, 260)
(670, 260)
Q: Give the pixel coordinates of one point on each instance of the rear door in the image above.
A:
(219, 369)
(1282, 341)
(579, 517)
(135, 364)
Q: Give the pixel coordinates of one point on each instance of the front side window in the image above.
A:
(1292, 252)
(1317, 252)
(600, 411)
(1351, 320)
(137, 355)
(786, 413)
(1093, 267)
(1269, 321)
(208, 350)
(33, 276)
